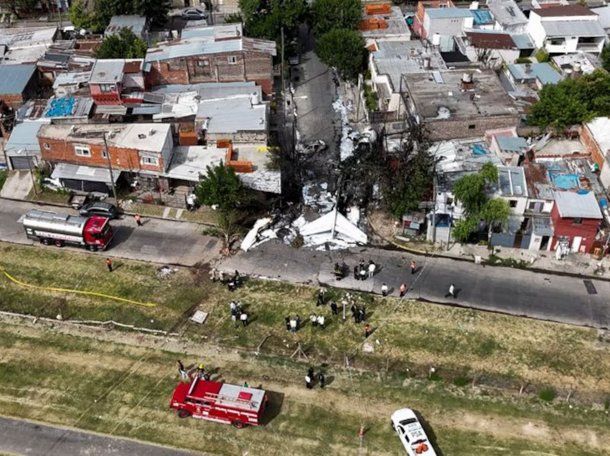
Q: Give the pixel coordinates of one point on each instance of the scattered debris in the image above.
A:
(318, 197)
(165, 271)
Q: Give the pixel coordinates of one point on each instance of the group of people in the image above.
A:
(317, 320)
(310, 379)
(358, 313)
(197, 372)
(238, 313)
(363, 271)
(233, 282)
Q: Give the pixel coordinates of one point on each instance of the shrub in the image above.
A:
(547, 394)
(461, 381)
(542, 56)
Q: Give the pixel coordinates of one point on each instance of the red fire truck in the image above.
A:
(51, 228)
(214, 401)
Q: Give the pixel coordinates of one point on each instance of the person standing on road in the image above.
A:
(372, 268)
(138, 219)
(384, 289)
(403, 290)
(413, 267)
(109, 264)
(451, 291)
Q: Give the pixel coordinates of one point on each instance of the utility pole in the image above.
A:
(282, 70)
(31, 172)
(110, 170)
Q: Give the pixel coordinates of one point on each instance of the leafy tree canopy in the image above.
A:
(572, 101)
(470, 191)
(98, 19)
(221, 187)
(336, 14)
(265, 18)
(343, 49)
(122, 45)
(605, 57)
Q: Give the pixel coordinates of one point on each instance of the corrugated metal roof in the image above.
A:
(570, 27)
(85, 173)
(15, 78)
(511, 143)
(487, 40)
(482, 17)
(564, 11)
(506, 12)
(135, 23)
(577, 205)
(23, 136)
(167, 51)
(146, 109)
(448, 13)
(207, 90)
(544, 72)
(230, 115)
(523, 41)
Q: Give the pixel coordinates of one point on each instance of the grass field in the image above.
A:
(125, 389)
(51, 267)
(492, 392)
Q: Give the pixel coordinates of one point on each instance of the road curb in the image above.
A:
(126, 213)
(399, 247)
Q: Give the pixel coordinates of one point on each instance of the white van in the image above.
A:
(411, 433)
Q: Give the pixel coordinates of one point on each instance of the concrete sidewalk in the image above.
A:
(512, 291)
(18, 185)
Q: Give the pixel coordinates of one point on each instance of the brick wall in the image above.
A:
(223, 67)
(13, 100)
(468, 128)
(565, 227)
(58, 151)
(592, 147)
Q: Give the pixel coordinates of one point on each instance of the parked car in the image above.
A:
(411, 433)
(194, 14)
(99, 208)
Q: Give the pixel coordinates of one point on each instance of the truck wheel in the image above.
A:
(93, 248)
(238, 424)
(59, 243)
(183, 413)
(46, 241)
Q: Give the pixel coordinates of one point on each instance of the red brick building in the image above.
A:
(141, 151)
(195, 60)
(576, 219)
(117, 81)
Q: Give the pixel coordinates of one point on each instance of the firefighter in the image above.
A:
(109, 264)
(182, 371)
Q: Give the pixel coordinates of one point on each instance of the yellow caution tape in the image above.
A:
(65, 290)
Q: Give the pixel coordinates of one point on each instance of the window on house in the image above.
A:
(232, 59)
(82, 151)
(577, 221)
(512, 203)
(47, 146)
(104, 153)
(203, 63)
(149, 161)
(472, 126)
(107, 88)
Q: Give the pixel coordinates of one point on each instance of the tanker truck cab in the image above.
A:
(97, 233)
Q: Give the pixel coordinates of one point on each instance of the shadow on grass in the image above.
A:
(274, 406)
(430, 433)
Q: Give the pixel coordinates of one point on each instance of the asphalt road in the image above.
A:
(34, 439)
(506, 290)
(159, 241)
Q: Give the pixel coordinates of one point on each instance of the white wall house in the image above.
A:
(566, 30)
(447, 21)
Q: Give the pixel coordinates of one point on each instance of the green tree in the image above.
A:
(605, 57)
(19, 7)
(223, 188)
(495, 212)
(122, 45)
(470, 191)
(265, 18)
(343, 49)
(572, 101)
(82, 19)
(336, 14)
(154, 10)
(463, 229)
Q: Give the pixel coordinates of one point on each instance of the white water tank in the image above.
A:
(436, 39)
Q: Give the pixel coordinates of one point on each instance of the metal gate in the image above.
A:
(26, 162)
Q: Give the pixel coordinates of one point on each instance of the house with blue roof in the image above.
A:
(533, 74)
